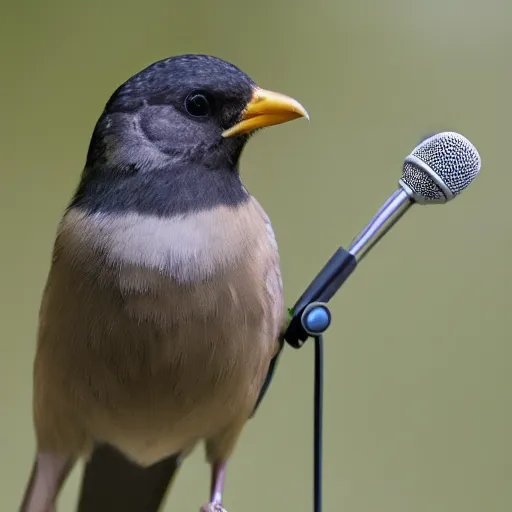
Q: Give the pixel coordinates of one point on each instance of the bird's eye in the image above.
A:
(197, 104)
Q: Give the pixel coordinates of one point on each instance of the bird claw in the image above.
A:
(212, 507)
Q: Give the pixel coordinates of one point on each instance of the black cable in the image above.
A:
(318, 411)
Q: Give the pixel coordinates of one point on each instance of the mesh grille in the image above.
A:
(451, 157)
(422, 184)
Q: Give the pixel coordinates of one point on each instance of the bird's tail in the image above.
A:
(111, 483)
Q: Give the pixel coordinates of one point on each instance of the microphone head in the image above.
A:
(439, 168)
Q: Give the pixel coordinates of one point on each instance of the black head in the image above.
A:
(170, 138)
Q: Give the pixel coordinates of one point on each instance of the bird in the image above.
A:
(161, 319)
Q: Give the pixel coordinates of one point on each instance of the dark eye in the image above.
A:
(198, 104)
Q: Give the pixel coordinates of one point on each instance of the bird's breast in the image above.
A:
(165, 319)
(187, 248)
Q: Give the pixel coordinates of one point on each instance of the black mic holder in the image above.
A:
(310, 316)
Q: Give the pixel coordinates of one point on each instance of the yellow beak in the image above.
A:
(266, 108)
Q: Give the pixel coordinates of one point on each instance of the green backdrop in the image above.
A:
(418, 380)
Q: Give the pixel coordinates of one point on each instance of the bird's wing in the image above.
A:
(276, 290)
(268, 378)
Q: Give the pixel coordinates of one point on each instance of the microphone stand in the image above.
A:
(311, 317)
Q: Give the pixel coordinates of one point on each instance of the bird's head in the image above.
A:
(180, 124)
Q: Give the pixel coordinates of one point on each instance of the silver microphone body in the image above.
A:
(389, 214)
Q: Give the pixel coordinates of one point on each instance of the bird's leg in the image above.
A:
(217, 483)
(218, 451)
(217, 488)
(48, 474)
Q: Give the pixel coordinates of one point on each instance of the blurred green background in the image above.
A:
(418, 370)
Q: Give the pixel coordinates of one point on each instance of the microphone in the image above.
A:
(438, 169)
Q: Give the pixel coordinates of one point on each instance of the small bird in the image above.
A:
(162, 315)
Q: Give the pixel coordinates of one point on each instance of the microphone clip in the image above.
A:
(310, 316)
